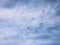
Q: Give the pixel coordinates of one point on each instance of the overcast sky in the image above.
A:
(29, 22)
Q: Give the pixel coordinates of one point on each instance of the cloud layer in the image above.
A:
(29, 22)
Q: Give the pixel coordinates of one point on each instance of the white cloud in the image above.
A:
(7, 32)
(22, 16)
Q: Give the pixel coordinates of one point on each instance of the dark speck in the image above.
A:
(36, 31)
(27, 27)
(43, 10)
(33, 18)
(40, 23)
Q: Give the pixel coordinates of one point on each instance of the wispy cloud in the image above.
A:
(29, 22)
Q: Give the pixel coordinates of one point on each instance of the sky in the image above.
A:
(29, 22)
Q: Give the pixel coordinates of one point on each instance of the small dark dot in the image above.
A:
(25, 34)
(43, 10)
(33, 18)
(40, 23)
(27, 27)
(36, 31)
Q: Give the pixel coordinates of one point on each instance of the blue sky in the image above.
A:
(29, 22)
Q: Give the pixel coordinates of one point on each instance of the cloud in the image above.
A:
(29, 22)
